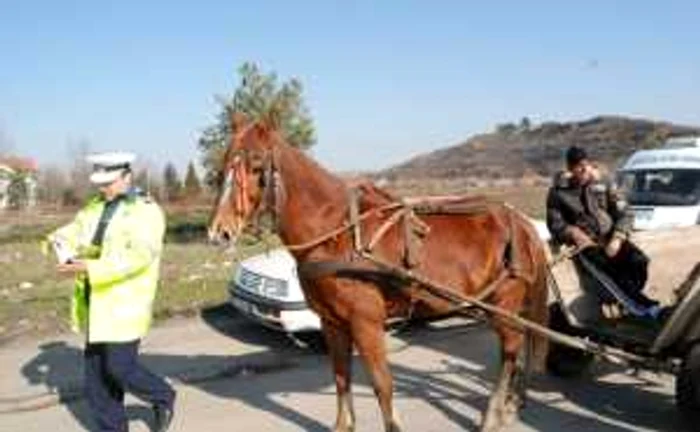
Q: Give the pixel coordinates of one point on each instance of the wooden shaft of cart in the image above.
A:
(462, 301)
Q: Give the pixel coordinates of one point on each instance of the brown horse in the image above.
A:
(468, 252)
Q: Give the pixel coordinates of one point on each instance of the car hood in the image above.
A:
(277, 263)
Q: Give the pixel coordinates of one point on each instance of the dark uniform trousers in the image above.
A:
(628, 269)
(110, 370)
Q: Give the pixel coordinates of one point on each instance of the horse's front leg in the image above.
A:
(339, 345)
(368, 335)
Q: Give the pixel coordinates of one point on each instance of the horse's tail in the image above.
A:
(537, 311)
(536, 307)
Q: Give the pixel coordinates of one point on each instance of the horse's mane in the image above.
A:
(372, 195)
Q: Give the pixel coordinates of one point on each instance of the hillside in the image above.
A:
(517, 151)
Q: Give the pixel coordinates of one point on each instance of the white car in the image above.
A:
(266, 289)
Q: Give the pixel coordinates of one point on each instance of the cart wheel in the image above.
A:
(563, 361)
(688, 387)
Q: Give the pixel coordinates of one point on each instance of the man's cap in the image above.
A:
(574, 155)
(107, 167)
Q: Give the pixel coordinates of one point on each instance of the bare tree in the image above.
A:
(52, 184)
(147, 178)
(79, 173)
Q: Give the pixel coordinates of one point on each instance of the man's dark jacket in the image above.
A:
(596, 208)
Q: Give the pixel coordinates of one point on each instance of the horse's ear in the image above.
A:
(238, 120)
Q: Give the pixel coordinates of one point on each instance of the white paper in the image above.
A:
(63, 253)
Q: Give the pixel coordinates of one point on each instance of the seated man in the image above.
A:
(587, 213)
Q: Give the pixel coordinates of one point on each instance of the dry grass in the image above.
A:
(34, 299)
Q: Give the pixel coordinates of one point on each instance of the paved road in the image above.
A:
(231, 375)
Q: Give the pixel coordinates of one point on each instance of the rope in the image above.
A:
(343, 228)
(406, 204)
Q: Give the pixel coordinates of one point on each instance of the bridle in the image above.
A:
(269, 182)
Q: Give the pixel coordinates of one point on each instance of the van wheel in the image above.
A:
(311, 340)
(688, 387)
(564, 361)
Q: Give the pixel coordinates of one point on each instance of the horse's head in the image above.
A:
(249, 171)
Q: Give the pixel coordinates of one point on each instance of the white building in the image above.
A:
(10, 169)
(6, 174)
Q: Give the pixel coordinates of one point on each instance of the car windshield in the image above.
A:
(661, 187)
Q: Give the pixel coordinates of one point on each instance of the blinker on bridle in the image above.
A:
(268, 181)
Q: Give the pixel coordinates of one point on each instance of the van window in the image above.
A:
(661, 187)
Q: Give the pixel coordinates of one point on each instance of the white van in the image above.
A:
(662, 186)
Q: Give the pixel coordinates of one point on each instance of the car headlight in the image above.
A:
(249, 281)
(275, 288)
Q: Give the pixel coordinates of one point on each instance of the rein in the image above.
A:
(351, 225)
(271, 187)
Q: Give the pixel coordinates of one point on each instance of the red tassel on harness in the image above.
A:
(241, 178)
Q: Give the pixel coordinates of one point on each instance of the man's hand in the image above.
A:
(613, 247)
(72, 267)
(580, 238)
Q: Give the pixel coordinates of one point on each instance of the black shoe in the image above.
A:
(163, 415)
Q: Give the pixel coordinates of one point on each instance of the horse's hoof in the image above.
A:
(493, 422)
(394, 426)
(510, 413)
(491, 427)
(345, 423)
(344, 427)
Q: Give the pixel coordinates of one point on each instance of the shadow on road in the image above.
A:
(457, 386)
(57, 366)
(640, 402)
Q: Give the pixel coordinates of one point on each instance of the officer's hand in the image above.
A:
(613, 248)
(72, 267)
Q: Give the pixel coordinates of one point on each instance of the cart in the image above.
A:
(580, 333)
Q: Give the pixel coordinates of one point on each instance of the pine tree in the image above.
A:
(257, 94)
(172, 187)
(192, 186)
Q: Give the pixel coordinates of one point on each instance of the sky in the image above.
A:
(384, 80)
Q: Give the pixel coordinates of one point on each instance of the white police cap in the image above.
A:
(107, 167)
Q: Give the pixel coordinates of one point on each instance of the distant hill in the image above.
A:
(523, 150)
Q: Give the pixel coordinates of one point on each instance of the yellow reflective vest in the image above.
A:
(123, 276)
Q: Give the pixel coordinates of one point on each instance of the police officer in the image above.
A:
(587, 212)
(113, 248)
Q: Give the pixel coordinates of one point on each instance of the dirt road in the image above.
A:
(232, 375)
